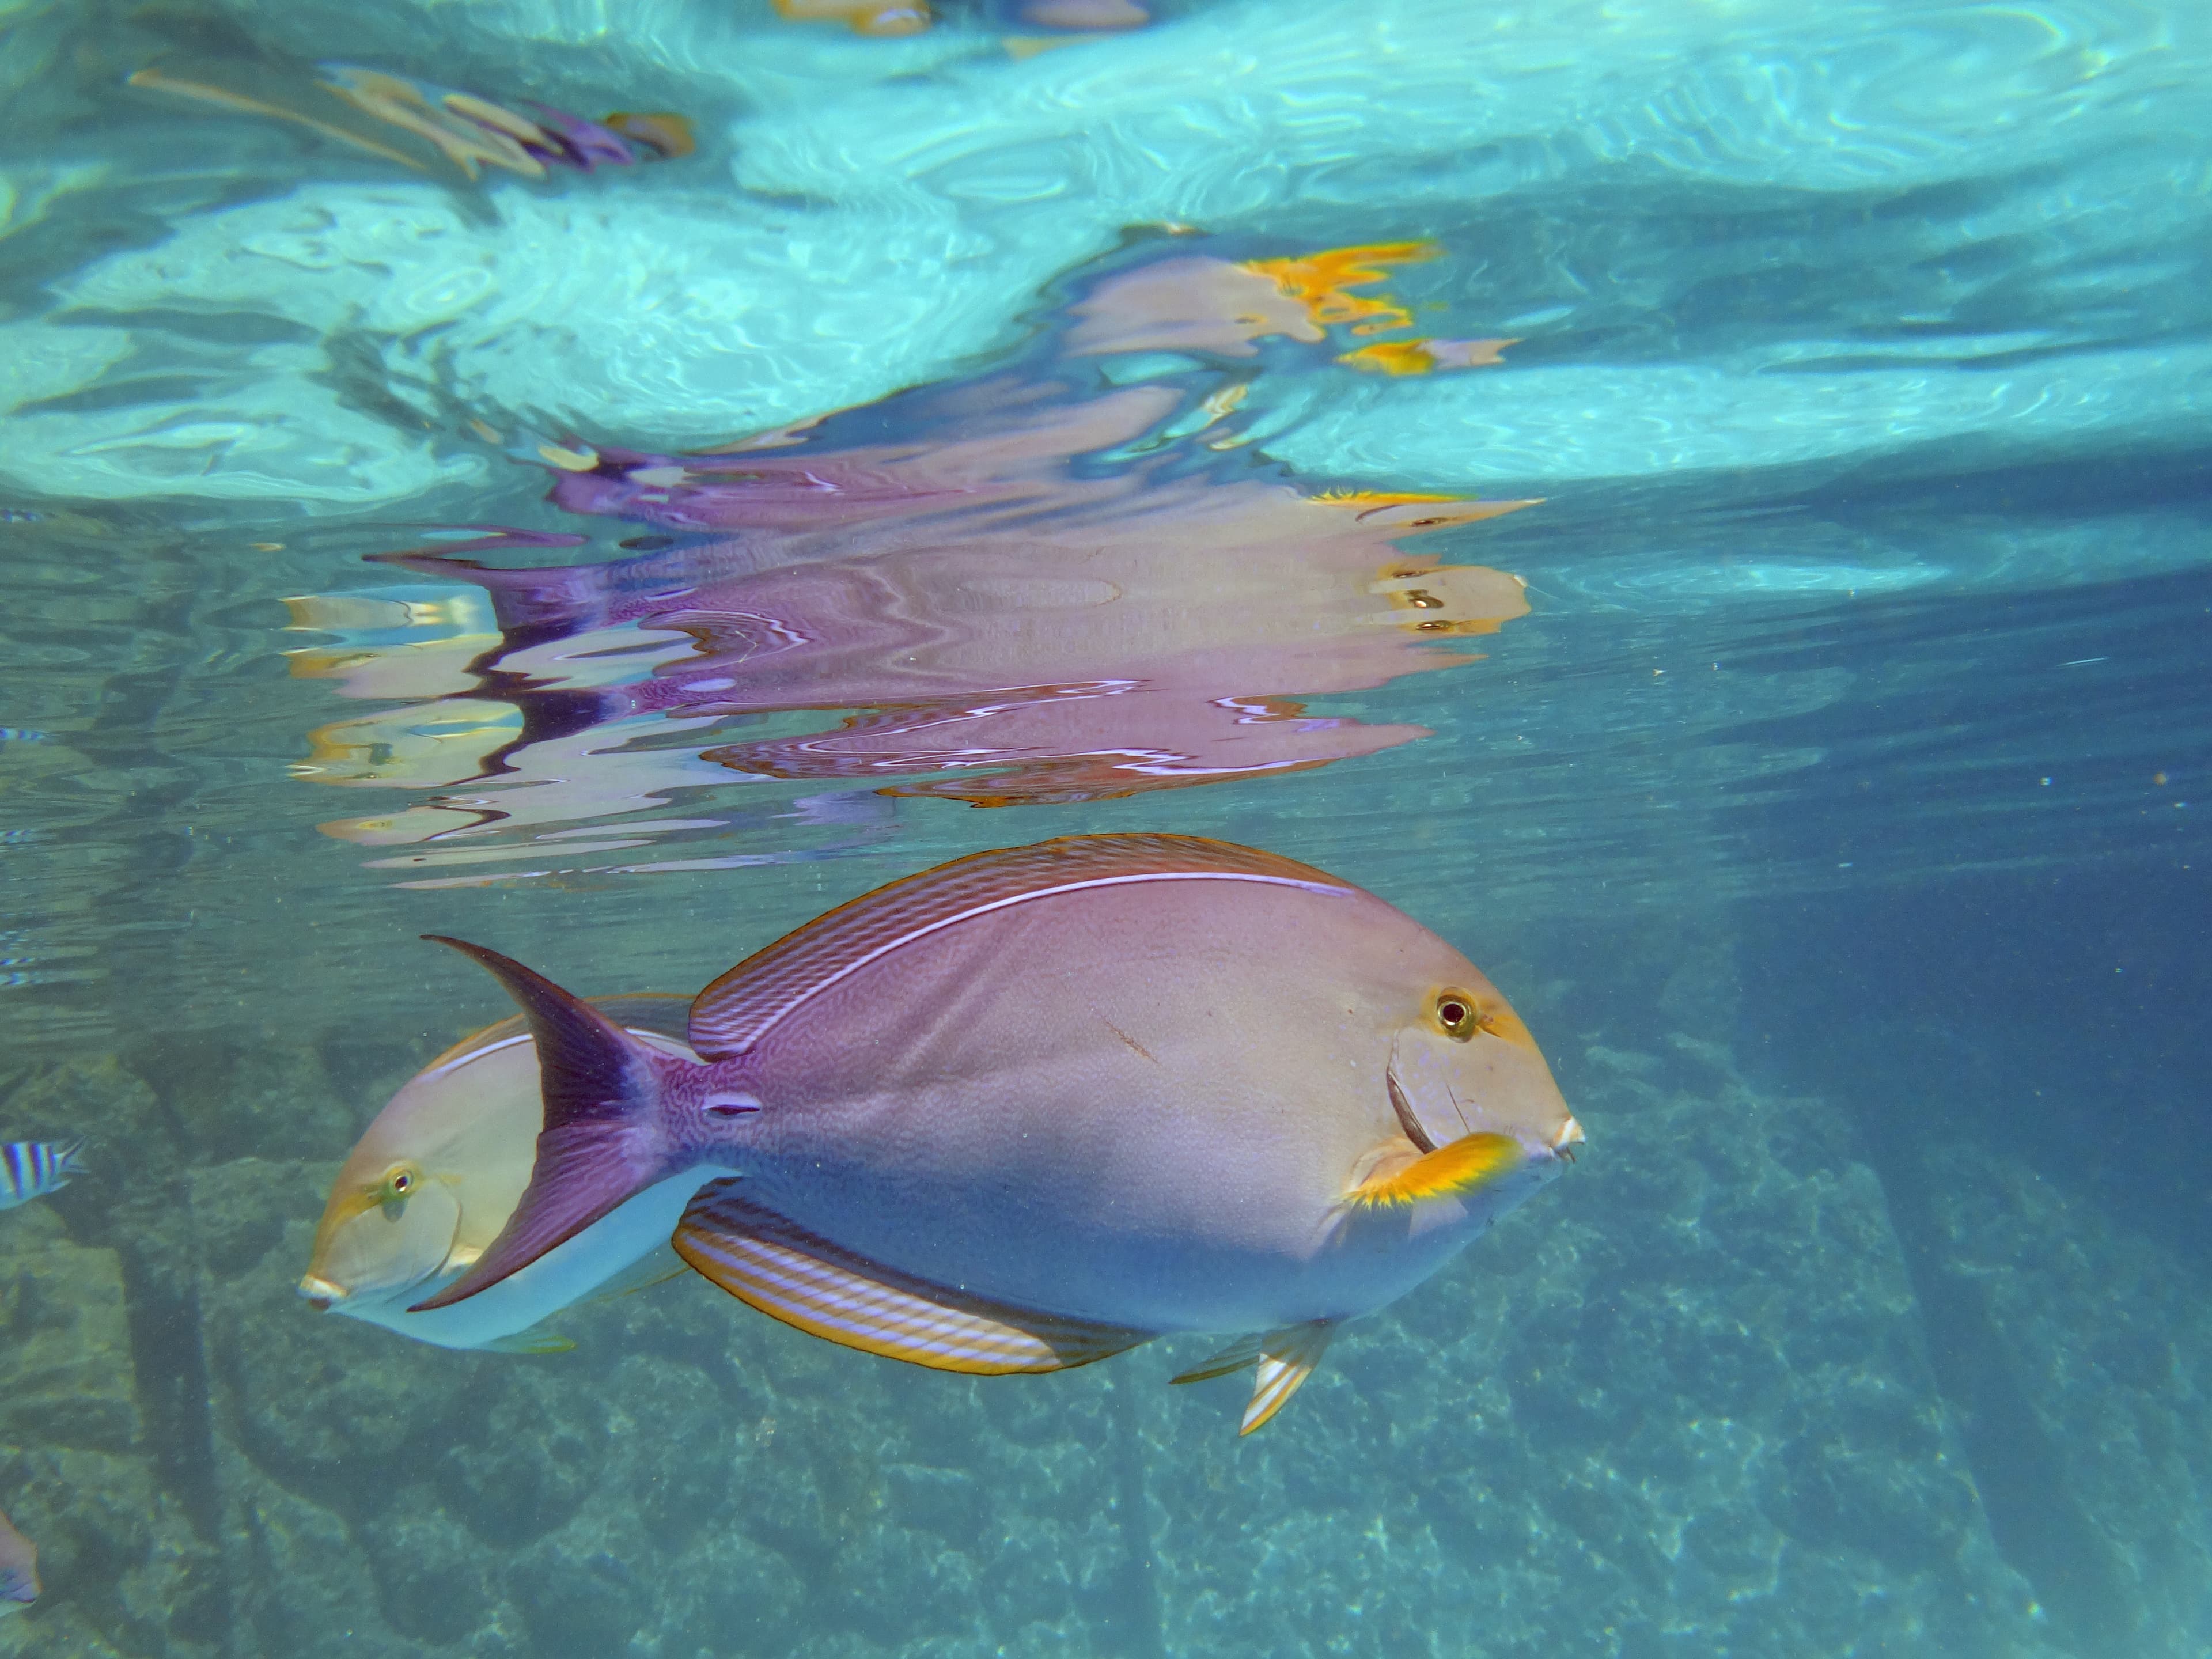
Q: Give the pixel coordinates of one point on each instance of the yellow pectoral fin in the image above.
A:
(1462, 1166)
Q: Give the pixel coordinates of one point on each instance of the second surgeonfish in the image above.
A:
(1039, 1105)
(434, 1177)
(19, 1569)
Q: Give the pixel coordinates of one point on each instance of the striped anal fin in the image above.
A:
(1285, 1359)
(789, 1274)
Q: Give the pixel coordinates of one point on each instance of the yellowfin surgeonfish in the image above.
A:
(434, 1179)
(1107, 1087)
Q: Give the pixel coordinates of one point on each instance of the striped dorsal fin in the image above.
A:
(1284, 1359)
(1457, 1166)
(789, 1273)
(734, 1013)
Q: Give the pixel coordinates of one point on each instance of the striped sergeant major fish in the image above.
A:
(31, 1168)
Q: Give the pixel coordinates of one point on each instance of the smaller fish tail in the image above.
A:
(68, 1159)
(600, 1146)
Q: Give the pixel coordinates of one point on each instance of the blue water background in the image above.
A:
(1834, 815)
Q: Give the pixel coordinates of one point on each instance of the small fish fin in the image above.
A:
(808, 1283)
(68, 1158)
(536, 1340)
(1240, 1355)
(1458, 1166)
(734, 1013)
(594, 1151)
(656, 1267)
(1287, 1358)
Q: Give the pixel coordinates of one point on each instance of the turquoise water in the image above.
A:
(1813, 748)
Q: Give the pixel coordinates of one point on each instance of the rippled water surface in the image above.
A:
(1706, 506)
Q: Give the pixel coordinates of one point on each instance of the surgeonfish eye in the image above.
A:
(399, 1182)
(1456, 1013)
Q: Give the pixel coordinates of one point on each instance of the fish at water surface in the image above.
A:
(1038, 1105)
(31, 1168)
(434, 1177)
(19, 1569)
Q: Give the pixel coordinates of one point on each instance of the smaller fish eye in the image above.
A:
(403, 1182)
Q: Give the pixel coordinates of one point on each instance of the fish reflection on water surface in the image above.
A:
(428, 128)
(1037, 1106)
(1052, 592)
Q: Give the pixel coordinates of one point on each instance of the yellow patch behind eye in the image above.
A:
(1460, 1166)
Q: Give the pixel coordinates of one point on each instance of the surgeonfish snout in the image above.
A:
(321, 1294)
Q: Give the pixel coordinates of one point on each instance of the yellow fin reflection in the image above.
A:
(1420, 356)
(1319, 281)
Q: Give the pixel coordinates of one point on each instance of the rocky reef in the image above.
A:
(1697, 1399)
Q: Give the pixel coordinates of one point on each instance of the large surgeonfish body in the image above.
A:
(1037, 1106)
(19, 1569)
(435, 1176)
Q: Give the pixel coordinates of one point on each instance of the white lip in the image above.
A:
(1569, 1135)
(321, 1292)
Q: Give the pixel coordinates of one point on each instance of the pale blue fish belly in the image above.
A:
(570, 1272)
(1157, 1130)
(31, 1168)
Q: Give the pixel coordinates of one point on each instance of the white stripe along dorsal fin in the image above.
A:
(789, 1273)
(658, 1012)
(734, 1013)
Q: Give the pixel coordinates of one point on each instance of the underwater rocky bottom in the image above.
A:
(1722, 1390)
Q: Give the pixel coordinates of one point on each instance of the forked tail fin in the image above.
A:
(598, 1145)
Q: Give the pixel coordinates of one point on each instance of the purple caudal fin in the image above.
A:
(598, 1147)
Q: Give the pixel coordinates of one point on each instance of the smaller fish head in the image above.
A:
(382, 1234)
(1465, 1065)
